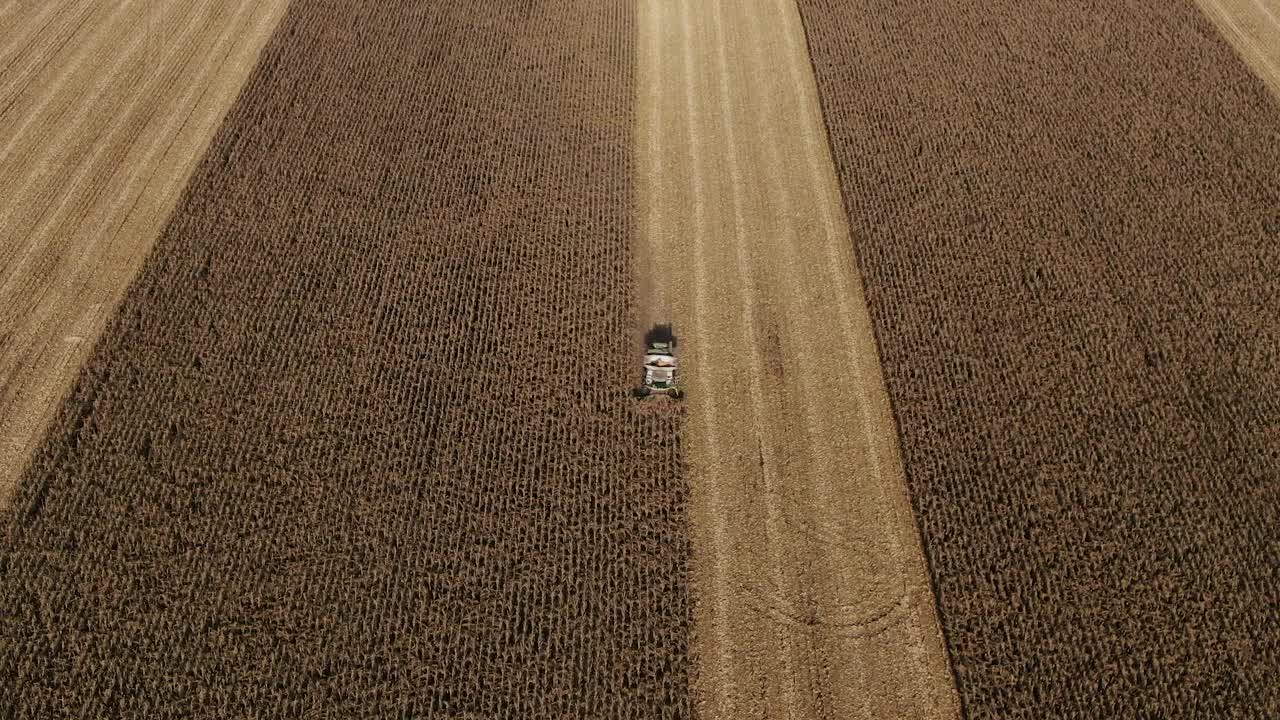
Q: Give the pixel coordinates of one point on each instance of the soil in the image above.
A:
(1066, 221)
(812, 591)
(357, 442)
(105, 109)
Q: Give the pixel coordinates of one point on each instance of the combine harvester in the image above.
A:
(660, 374)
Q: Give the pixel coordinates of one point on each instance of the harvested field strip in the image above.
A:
(813, 598)
(357, 443)
(1253, 28)
(98, 142)
(1068, 223)
(40, 31)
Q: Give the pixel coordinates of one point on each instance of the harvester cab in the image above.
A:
(660, 376)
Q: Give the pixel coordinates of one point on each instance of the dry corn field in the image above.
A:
(1072, 252)
(352, 444)
(319, 322)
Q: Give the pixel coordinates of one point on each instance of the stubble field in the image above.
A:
(812, 593)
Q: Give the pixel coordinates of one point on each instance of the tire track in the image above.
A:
(32, 156)
(18, 81)
(34, 41)
(70, 200)
(813, 540)
(808, 527)
(68, 268)
(746, 281)
(102, 39)
(719, 547)
(836, 586)
(860, 344)
(786, 210)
